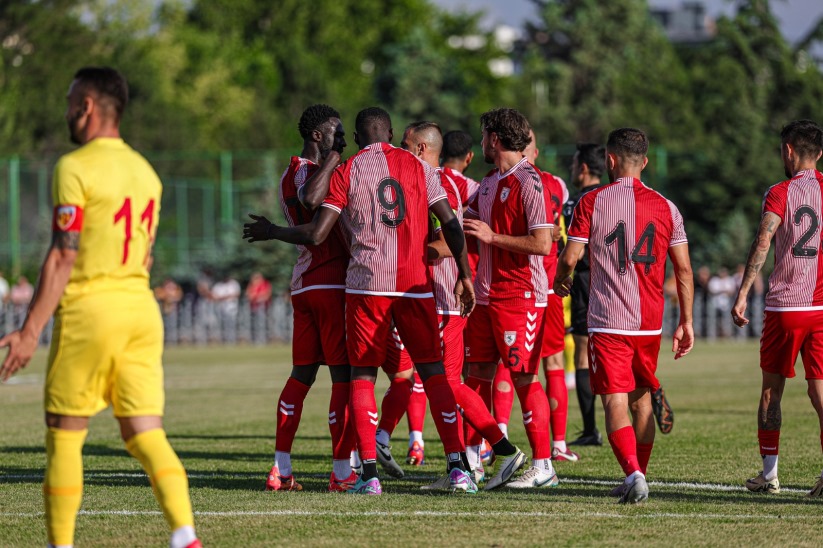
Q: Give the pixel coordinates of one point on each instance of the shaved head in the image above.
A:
(426, 132)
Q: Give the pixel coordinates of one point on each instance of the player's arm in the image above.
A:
(566, 262)
(438, 249)
(757, 258)
(316, 187)
(456, 242)
(537, 242)
(54, 276)
(312, 233)
(683, 339)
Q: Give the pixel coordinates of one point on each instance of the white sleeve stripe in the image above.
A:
(333, 207)
(443, 197)
(678, 242)
(578, 239)
(547, 225)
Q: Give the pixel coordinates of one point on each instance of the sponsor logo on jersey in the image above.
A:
(509, 337)
(504, 194)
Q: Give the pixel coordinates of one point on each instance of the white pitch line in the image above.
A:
(722, 487)
(441, 514)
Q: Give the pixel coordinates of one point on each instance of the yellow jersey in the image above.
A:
(110, 194)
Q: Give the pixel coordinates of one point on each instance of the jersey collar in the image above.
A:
(513, 168)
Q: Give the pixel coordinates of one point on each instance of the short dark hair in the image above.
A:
(594, 156)
(423, 126)
(805, 136)
(456, 144)
(372, 116)
(628, 142)
(511, 127)
(313, 117)
(107, 82)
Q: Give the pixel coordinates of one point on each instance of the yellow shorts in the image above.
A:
(107, 349)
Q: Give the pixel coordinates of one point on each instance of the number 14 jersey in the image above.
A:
(629, 229)
(383, 195)
(797, 280)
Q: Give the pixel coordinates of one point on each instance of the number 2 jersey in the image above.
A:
(629, 229)
(110, 195)
(797, 280)
(318, 266)
(383, 194)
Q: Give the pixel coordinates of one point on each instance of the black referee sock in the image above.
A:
(586, 400)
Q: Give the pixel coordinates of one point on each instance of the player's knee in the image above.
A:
(305, 374)
(340, 373)
(427, 370)
(364, 374)
(523, 379)
(482, 371)
(65, 422)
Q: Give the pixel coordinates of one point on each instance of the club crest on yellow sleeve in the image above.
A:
(68, 218)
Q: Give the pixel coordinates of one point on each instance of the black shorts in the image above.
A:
(580, 303)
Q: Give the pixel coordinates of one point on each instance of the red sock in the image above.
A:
(394, 403)
(475, 412)
(769, 441)
(535, 407)
(289, 410)
(558, 396)
(624, 445)
(482, 388)
(644, 453)
(502, 394)
(416, 409)
(340, 425)
(444, 412)
(364, 416)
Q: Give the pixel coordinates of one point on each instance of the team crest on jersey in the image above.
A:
(504, 194)
(509, 337)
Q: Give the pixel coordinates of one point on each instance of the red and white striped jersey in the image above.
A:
(318, 266)
(465, 185)
(629, 229)
(444, 271)
(383, 194)
(554, 190)
(511, 203)
(797, 280)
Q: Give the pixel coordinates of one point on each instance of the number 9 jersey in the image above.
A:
(110, 195)
(629, 229)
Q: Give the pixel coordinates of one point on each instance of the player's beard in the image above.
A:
(325, 149)
(73, 130)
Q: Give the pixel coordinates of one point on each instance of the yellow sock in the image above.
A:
(63, 483)
(168, 478)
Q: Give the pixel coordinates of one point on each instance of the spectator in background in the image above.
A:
(21, 293)
(169, 295)
(4, 291)
(701, 301)
(258, 292)
(722, 289)
(226, 296)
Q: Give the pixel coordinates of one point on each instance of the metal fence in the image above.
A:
(198, 321)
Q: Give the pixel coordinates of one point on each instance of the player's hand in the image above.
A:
(464, 291)
(478, 229)
(556, 234)
(562, 288)
(683, 340)
(259, 230)
(21, 349)
(739, 312)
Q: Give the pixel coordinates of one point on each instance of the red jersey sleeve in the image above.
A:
(775, 200)
(678, 230)
(582, 219)
(434, 188)
(534, 205)
(338, 190)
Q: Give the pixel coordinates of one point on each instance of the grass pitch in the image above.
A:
(220, 417)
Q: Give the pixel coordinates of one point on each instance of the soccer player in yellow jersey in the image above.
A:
(108, 334)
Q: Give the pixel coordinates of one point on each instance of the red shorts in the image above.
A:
(397, 357)
(554, 327)
(451, 333)
(368, 324)
(787, 334)
(319, 327)
(619, 364)
(509, 330)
